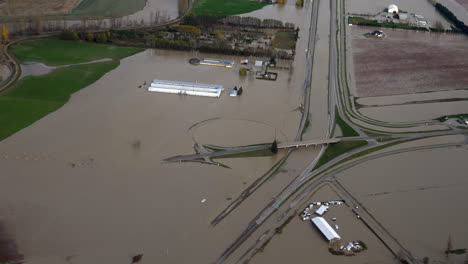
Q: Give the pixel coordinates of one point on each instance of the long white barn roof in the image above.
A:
(325, 228)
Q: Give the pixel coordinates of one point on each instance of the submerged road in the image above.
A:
(309, 179)
(254, 224)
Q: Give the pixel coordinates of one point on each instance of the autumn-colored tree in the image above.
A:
(89, 37)
(300, 3)
(5, 36)
(219, 34)
(101, 38)
(192, 30)
(69, 35)
(281, 2)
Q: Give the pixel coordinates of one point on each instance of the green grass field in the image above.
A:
(55, 52)
(108, 7)
(225, 7)
(36, 96)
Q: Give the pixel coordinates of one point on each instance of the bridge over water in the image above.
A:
(232, 151)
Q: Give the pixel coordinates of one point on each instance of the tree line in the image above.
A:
(100, 37)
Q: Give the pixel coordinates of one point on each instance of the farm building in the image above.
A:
(217, 62)
(174, 87)
(392, 9)
(403, 16)
(326, 229)
(321, 210)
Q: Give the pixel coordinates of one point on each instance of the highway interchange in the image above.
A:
(339, 98)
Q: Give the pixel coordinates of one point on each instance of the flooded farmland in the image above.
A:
(99, 185)
(86, 184)
(418, 196)
(310, 245)
(288, 12)
(408, 62)
(414, 112)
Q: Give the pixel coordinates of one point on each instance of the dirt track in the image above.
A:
(35, 7)
(408, 62)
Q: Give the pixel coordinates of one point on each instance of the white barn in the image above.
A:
(326, 229)
(392, 9)
(322, 209)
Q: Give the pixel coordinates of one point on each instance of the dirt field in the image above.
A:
(35, 7)
(464, 3)
(408, 62)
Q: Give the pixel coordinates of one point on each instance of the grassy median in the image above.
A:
(34, 97)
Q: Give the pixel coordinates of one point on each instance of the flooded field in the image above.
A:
(415, 112)
(408, 62)
(412, 98)
(288, 12)
(4, 72)
(464, 3)
(35, 69)
(311, 246)
(418, 196)
(36, 7)
(458, 7)
(102, 174)
(418, 7)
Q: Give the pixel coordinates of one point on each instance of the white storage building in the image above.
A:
(322, 209)
(189, 88)
(392, 9)
(326, 229)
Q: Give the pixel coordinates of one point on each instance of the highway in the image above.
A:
(254, 224)
(307, 181)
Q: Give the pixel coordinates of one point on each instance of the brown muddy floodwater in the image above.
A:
(311, 247)
(415, 112)
(420, 197)
(86, 183)
(288, 12)
(4, 72)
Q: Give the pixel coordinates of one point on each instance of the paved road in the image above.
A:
(254, 224)
(309, 179)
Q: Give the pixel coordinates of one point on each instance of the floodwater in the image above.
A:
(35, 69)
(93, 187)
(414, 112)
(91, 172)
(458, 7)
(167, 8)
(288, 12)
(418, 196)
(311, 247)
(154, 12)
(4, 72)
(408, 98)
(418, 7)
(38, 69)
